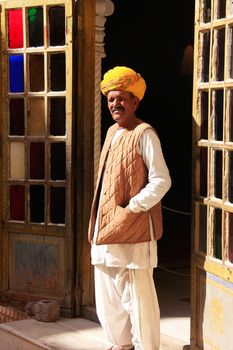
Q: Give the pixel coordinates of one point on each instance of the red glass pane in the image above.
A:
(15, 28)
(17, 197)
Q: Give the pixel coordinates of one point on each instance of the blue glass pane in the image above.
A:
(16, 73)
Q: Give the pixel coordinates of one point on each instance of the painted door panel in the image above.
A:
(36, 129)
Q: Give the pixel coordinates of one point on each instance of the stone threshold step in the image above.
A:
(64, 334)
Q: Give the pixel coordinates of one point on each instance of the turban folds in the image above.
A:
(123, 78)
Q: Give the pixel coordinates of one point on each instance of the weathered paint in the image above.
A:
(218, 315)
(37, 264)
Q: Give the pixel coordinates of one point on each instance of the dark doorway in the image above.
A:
(158, 44)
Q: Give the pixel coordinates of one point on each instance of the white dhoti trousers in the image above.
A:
(127, 307)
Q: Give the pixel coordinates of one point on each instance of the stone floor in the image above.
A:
(173, 289)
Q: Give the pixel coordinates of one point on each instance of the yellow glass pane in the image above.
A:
(17, 165)
(37, 117)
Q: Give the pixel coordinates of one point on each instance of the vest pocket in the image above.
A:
(125, 227)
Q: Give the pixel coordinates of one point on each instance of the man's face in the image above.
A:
(122, 106)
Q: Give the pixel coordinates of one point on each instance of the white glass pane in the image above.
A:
(17, 165)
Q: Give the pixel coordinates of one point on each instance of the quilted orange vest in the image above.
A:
(124, 176)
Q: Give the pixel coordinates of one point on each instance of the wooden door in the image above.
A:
(212, 246)
(37, 259)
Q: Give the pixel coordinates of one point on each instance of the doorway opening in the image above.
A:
(159, 45)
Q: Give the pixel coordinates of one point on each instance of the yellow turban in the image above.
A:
(123, 78)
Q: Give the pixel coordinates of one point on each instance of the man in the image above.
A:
(126, 220)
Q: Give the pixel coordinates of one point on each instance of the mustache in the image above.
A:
(118, 108)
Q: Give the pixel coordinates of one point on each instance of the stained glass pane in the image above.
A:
(230, 130)
(231, 237)
(204, 115)
(15, 28)
(217, 105)
(16, 73)
(37, 204)
(206, 11)
(57, 205)
(17, 206)
(16, 117)
(36, 64)
(57, 116)
(37, 160)
(17, 158)
(218, 174)
(58, 161)
(58, 82)
(203, 172)
(217, 233)
(203, 228)
(230, 179)
(230, 8)
(57, 25)
(37, 117)
(35, 23)
(218, 54)
(205, 56)
(221, 9)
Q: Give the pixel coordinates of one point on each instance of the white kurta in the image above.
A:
(138, 255)
(126, 300)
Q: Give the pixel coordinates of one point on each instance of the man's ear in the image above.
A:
(136, 101)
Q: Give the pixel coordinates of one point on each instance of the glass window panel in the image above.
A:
(57, 205)
(205, 8)
(58, 82)
(17, 160)
(221, 8)
(203, 172)
(231, 116)
(36, 64)
(230, 177)
(57, 25)
(217, 105)
(37, 205)
(17, 202)
(230, 230)
(35, 24)
(16, 73)
(16, 116)
(57, 116)
(204, 115)
(217, 233)
(15, 28)
(218, 174)
(230, 47)
(203, 228)
(37, 117)
(58, 161)
(218, 54)
(230, 7)
(205, 56)
(37, 160)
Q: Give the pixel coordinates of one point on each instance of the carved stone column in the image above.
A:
(104, 8)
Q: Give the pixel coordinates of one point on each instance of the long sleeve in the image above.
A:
(159, 180)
